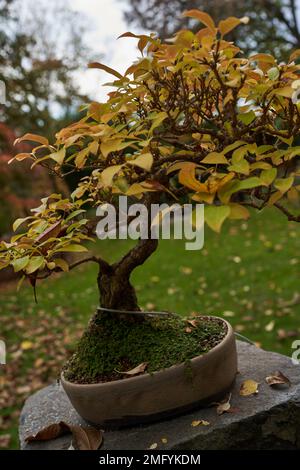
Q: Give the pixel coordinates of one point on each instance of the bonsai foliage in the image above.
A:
(191, 120)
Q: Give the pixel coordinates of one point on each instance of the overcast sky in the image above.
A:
(107, 23)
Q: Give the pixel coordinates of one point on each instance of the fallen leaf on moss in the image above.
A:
(84, 438)
(277, 378)
(200, 422)
(137, 370)
(249, 387)
(193, 323)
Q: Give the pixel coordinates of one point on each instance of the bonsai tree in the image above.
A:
(191, 120)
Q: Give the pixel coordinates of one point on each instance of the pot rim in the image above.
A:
(137, 378)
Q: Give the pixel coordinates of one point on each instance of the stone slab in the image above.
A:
(267, 420)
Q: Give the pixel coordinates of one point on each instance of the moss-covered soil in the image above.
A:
(112, 345)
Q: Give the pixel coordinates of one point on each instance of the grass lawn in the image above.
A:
(249, 275)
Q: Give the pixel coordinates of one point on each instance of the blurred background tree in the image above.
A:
(273, 25)
(41, 44)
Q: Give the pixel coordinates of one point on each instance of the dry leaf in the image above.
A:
(84, 438)
(270, 326)
(4, 440)
(224, 406)
(137, 370)
(194, 323)
(249, 387)
(188, 329)
(153, 446)
(25, 345)
(200, 422)
(277, 378)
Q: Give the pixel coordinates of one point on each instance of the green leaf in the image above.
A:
(241, 166)
(215, 158)
(144, 161)
(267, 176)
(35, 263)
(284, 184)
(215, 216)
(75, 214)
(73, 248)
(273, 73)
(247, 118)
(19, 222)
(20, 264)
(157, 120)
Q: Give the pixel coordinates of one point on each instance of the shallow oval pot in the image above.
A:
(162, 394)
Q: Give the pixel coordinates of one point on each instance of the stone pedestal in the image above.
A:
(268, 420)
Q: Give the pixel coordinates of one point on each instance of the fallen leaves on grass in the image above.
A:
(137, 370)
(278, 378)
(249, 387)
(4, 440)
(199, 422)
(84, 438)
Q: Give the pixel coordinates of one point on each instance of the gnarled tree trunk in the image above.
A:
(116, 291)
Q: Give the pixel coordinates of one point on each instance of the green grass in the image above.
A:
(249, 275)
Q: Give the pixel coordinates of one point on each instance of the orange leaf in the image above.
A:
(204, 18)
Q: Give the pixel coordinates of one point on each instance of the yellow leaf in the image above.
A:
(249, 387)
(225, 26)
(62, 264)
(32, 137)
(215, 158)
(187, 178)
(113, 145)
(267, 176)
(237, 211)
(284, 184)
(284, 91)
(215, 216)
(108, 174)
(25, 345)
(59, 156)
(157, 120)
(81, 157)
(200, 422)
(144, 161)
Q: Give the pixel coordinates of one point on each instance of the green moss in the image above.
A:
(112, 345)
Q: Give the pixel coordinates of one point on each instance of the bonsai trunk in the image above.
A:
(116, 291)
